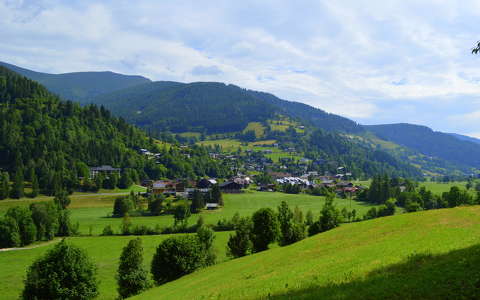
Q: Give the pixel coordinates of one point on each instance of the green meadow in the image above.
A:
(94, 213)
(104, 251)
(425, 255)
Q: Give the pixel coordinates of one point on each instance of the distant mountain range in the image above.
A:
(80, 86)
(212, 107)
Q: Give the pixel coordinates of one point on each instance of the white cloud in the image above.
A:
(369, 60)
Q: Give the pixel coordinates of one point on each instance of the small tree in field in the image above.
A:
(239, 244)
(62, 199)
(65, 272)
(265, 229)
(132, 276)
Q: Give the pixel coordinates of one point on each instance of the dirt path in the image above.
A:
(31, 247)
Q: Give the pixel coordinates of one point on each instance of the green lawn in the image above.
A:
(425, 255)
(439, 188)
(104, 251)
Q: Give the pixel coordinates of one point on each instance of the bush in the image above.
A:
(265, 229)
(177, 256)
(65, 272)
(122, 206)
(132, 277)
(107, 230)
(291, 231)
(155, 204)
(239, 244)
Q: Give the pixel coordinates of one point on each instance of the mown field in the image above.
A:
(425, 255)
(93, 213)
(104, 251)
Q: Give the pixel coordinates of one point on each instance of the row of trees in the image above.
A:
(66, 271)
(21, 226)
(266, 226)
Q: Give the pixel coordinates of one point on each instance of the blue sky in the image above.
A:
(372, 61)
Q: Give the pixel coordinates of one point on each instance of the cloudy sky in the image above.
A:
(372, 61)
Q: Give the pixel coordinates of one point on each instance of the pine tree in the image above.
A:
(4, 185)
(18, 185)
(35, 187)
(217, 195)
(132, 277)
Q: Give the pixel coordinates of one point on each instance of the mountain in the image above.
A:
(80, 86)
(465, 138)
(431, 143)
(56, 141)
(178, 107)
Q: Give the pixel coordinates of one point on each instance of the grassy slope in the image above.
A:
(349, 263)
(104, 251)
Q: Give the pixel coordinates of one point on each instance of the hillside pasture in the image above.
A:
(424, 255)
(104, 251)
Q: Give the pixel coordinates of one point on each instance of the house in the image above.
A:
(105, 170)
(164, 187)
(211, 206)
(230, 187)
(206, 183)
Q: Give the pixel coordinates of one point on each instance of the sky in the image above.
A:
(375, 62)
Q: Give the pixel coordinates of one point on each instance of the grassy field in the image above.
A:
(439, 188)
(104, 251)
(425, 255)
(79, 200)
(245, 204)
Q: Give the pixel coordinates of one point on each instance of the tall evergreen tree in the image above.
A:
(18, 185)
(4, 185)
(132, 277)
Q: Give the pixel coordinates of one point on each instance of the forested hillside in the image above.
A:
(43, 138)
(80, 86)
(202, 107)
(311, 115)
(429, 142)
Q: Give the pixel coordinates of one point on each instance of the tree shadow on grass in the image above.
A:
(454, 275)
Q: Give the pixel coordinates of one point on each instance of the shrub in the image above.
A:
(26, 227)
(65, 272)
(206, 237)
(107, 230)
(132, 277)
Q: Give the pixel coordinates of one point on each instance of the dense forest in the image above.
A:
(54, 142)
(176, 107)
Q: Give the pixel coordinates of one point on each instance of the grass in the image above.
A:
(438, 187)
(97, 217)
(104, 251)
(424, 255)
(257, 127)
(79, 200)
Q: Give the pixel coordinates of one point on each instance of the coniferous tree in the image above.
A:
(216, 195)
(35, 186)
(18, 185)
(265, 229)
(132, 277)
(4, 185)
(62, 199)
(239, 243)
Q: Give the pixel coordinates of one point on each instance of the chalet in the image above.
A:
(105, 170)
(230, 187)
(206, 183)
(164, 187)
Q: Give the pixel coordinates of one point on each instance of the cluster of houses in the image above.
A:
(311, 180)
(186, 188)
